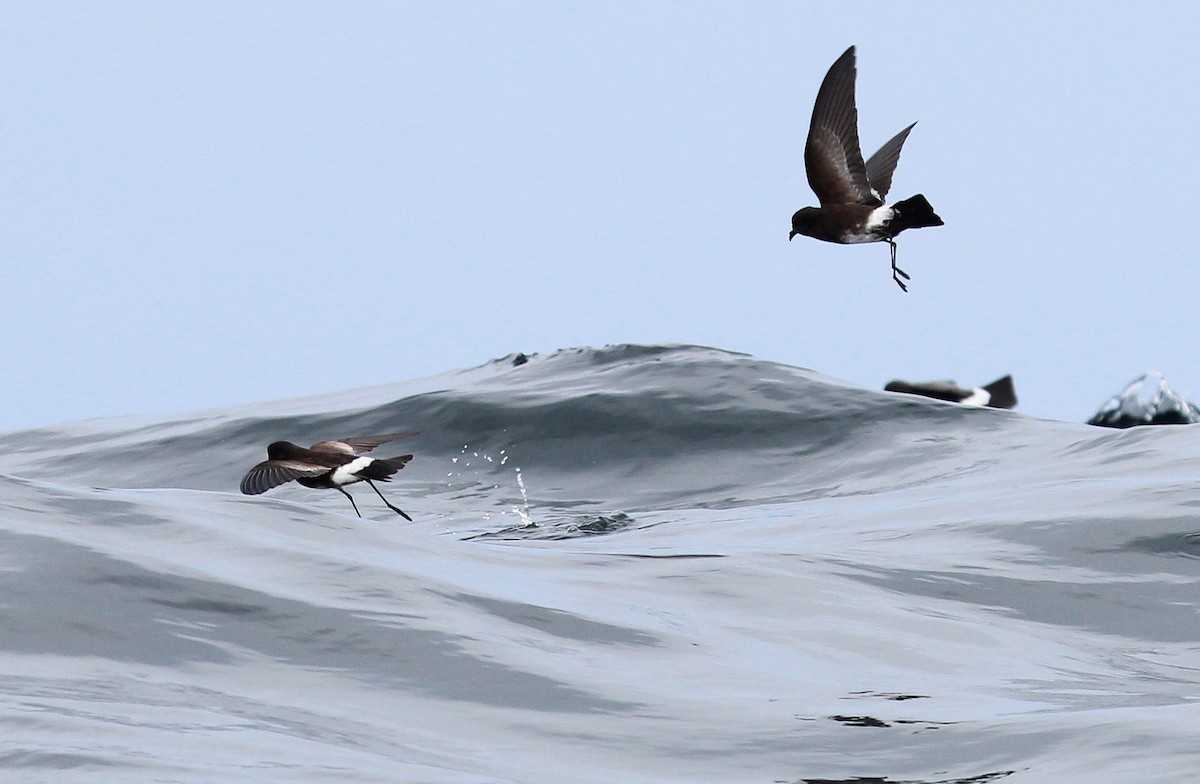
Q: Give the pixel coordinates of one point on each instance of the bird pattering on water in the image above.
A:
(327, 464)
(851, 192)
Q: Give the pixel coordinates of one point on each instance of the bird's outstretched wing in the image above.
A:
(358, 444)
(832, 156)
(272, 473)
(881, 165)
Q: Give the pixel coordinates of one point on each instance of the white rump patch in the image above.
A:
(344, 475)
(978, 397)
(879, 217)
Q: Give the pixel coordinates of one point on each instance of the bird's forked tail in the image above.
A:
(1002, 393)
(382, 470)
(913, 213)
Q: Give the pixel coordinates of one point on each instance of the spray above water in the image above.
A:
(523, 510)
(467, 474)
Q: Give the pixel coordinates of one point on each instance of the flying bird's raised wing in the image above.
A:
(272, 473)
(883, 163)
(832, 156)
(358, 444)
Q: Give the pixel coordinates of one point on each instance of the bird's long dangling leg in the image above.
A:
(343, 492)
(896, 271)
(397, 510)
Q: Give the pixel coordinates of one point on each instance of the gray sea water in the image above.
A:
(633, 564)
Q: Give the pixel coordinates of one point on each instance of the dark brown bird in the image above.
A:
(998, 394)
(327, 464)
(852, 192)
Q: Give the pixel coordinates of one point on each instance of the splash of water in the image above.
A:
(523, 510)
(463, 461)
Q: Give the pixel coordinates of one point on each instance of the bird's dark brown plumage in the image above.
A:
(327, 464)
(999, 394)
(852, 192)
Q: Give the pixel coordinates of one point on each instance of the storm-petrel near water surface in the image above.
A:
(327, 464)
(998, 394)
(852, 193)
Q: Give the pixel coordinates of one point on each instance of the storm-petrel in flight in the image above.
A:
(998, 394)
(852, 193)
(327, 464)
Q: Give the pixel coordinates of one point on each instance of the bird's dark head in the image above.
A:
(803, 221)
(281, 450)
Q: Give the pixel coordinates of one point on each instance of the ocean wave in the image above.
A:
(653, 563)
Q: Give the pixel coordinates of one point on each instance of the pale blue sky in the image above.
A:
(217, 203)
